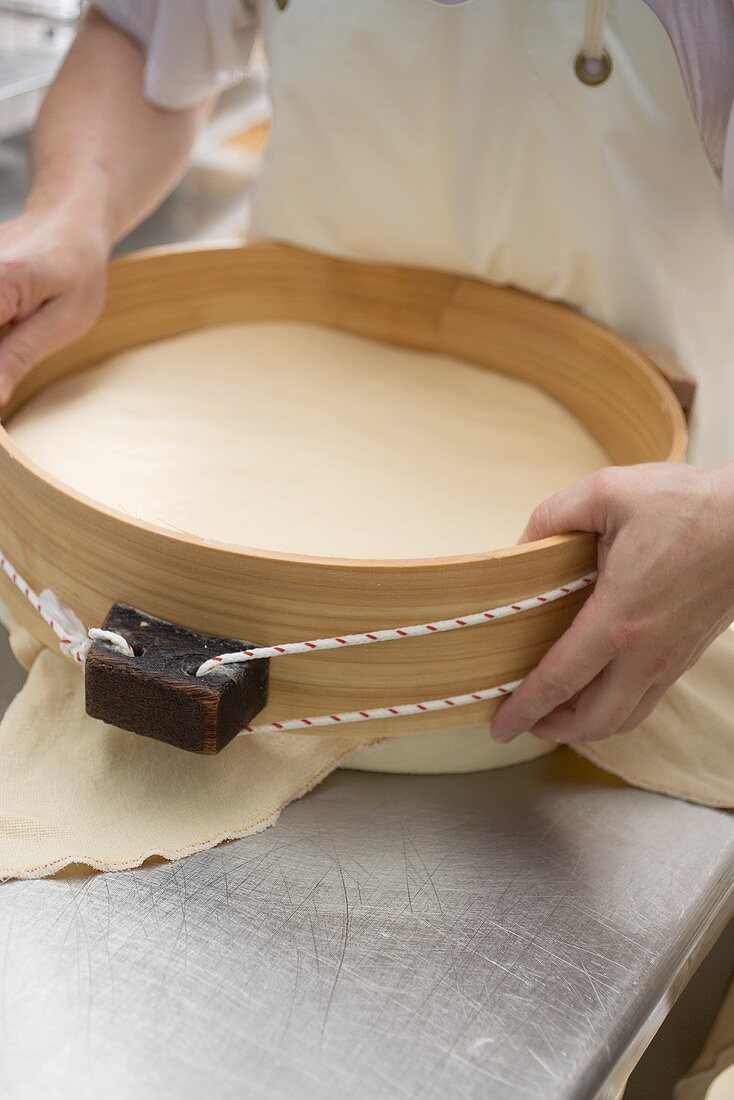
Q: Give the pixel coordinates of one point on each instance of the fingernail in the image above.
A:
(503, 736)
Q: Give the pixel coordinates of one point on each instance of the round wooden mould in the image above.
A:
(93, 557)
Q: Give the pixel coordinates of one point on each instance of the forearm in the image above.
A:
(102, 159)
(100, 153)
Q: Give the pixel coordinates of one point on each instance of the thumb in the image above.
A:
(25, 343)
(578, 508)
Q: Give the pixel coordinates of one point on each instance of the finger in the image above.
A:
(578, 508)
(664, 683)
(11, 295)
(656, 693)
(21, 291)
(601, 709)
(645, 707)
(24, 344)
(568, 667)
(9, 302)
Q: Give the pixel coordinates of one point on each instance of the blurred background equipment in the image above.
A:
(34, 37)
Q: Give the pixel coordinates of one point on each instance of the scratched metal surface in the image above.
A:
(505, 935)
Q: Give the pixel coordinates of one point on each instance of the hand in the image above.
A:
(52, 285)
(665, 592)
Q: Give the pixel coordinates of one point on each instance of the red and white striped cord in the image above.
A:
(399, 711)
(476, 618)
(75, 642)
(74, 639)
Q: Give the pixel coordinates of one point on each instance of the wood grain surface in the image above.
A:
(156, 693)
(92, 556)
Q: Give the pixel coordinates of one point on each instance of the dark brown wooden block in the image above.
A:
(156, 693)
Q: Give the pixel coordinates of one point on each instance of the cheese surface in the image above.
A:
(292, 437)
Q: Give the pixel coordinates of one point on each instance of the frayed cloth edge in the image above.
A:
(647, 785)
(172, 855)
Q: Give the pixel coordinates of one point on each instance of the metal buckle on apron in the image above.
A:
(593, 70)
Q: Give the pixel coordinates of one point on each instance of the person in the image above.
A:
(472, 137)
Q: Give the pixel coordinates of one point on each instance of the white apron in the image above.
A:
(461, 138)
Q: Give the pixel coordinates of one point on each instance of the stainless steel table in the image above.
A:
(507, 935)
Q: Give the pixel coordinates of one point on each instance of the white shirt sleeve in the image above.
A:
(702, 34)
(193, 48)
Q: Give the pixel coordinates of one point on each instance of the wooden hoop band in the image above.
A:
(92, 556)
